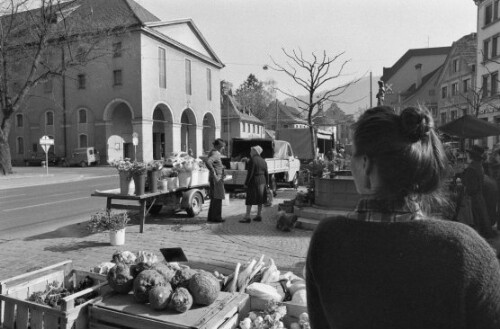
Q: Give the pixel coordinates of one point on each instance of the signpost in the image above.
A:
(46, 142)
(135, 141)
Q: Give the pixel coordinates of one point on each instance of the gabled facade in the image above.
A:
(159, 80)
(236, 122)
(409, 70)
(488, 62)
(423, 92)
(456, 82)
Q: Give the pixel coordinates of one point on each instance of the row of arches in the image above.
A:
(168, 135)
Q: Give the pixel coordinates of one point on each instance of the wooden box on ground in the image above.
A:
(123, 312)
(17, 312)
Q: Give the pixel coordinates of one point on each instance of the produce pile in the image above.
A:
(271, 318)
(54, 293)
(160, 284)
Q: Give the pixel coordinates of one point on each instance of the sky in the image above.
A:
(372, 34)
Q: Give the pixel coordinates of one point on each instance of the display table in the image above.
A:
(122, 311)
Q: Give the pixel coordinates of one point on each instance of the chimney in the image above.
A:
(418, 68)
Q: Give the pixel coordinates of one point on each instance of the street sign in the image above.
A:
(135, 139)
(46, 142)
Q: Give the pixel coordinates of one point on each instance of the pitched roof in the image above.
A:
(286, 114)
(321, 119)
(232, 109)
(388, 72)
(413, 90)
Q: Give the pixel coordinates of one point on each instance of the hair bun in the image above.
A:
(415, 123)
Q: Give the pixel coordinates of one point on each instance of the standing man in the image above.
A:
(217, 192)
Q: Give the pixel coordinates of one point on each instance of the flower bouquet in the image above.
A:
(114, 222)
(106, 220)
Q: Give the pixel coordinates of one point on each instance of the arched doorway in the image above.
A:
(119, 132)
(162, 132)
(188, 131)
(208, 132)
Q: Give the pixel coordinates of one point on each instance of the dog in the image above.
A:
(286, 222)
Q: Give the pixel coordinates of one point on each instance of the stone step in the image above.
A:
(309, 217)
(319, 213)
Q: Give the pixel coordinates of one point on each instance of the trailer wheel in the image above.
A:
(195, 204)
(83, 164)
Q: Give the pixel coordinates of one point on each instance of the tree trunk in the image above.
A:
(313, 141)
(5, 158)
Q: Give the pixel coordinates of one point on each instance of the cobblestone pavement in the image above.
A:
(207, 246)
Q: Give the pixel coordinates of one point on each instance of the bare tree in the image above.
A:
(38, 45)
(313, 74)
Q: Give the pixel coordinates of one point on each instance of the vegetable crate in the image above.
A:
(16, 312)
(293, 311)
(117, 311)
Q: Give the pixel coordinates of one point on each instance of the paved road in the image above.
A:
(208, 246)
(34, 209)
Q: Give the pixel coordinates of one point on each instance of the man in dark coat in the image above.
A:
(256, 182)
(473, 178)
(216, 179)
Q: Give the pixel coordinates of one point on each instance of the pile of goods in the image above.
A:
(160, 284)
(271, 318)
(55, 292)
(260, 281)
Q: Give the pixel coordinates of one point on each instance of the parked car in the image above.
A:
(83, 157)
(37, 158)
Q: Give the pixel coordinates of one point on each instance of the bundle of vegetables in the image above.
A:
(255, 271)
(55, 292)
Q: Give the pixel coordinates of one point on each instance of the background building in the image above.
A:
(159, 80)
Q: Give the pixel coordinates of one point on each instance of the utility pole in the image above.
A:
(371, 91)
(277, 119)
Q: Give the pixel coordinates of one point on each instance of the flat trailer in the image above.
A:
(189, 199)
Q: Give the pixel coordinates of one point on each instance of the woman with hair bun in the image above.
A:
(388, 265)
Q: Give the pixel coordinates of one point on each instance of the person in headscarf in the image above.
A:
(256, 181)
(216, 179)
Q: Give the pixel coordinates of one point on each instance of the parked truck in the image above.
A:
(282, 165)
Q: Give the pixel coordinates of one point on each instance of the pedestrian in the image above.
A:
(216, 180)
(256, 182)
(388, 265)
(473, 180)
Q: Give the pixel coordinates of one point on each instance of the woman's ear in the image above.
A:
(367, 165)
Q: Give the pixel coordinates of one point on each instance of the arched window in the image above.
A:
(49, 118)
(82, 140)
(82, 116)
(20, 145)
(19, 121)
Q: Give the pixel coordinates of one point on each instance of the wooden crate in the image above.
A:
(17, 312)
(117, 311)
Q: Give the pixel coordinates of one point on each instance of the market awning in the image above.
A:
(468, 126)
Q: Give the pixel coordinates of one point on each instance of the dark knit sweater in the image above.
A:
(421, 274)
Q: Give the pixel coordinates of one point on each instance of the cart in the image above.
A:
(190, 199)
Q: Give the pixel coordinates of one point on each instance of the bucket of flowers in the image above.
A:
(184, 170)
(114, 222)
(172, 180)
(124, 167)
(153, 172)
(139, 171)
